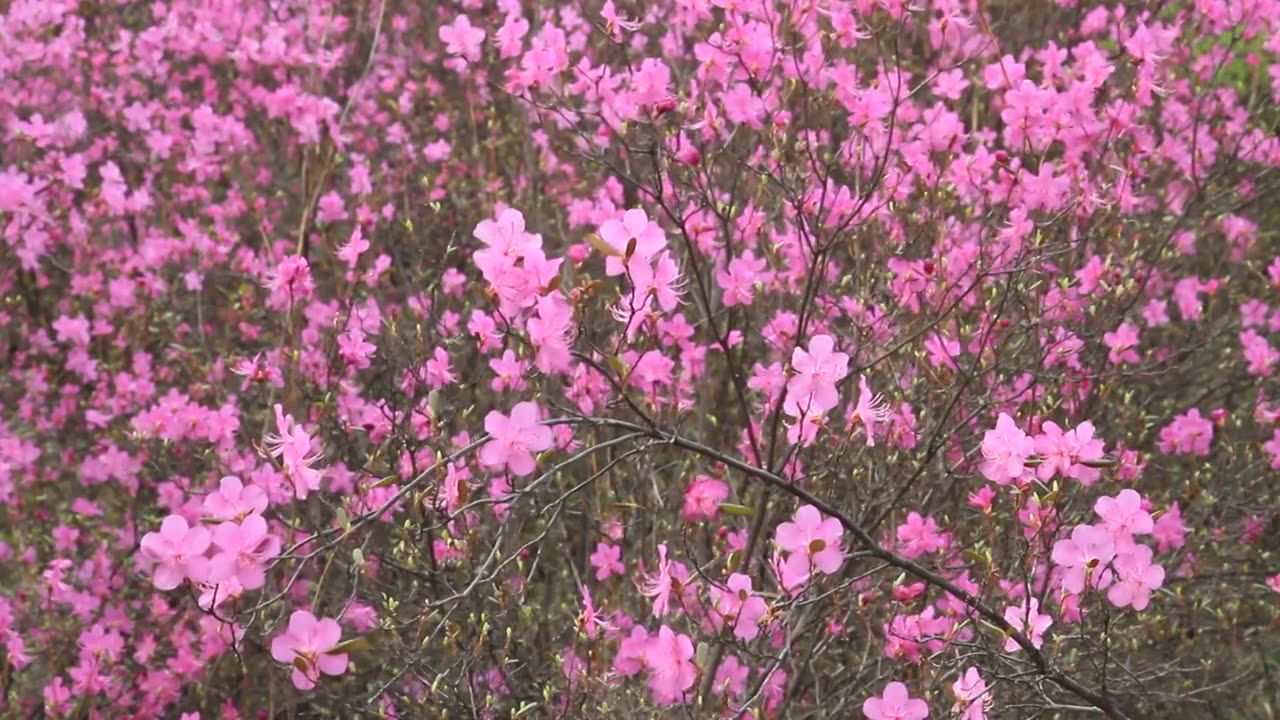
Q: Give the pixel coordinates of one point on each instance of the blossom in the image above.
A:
(1005, 451)
(461, 38)
(1084, 558)
(1063, 452)
(1168, 530)
(870, 411)
(703, 497)
(669, 658)
(1029, 621)
(307, 645)
(298, 452)
(668, 578)
(973, 698)
(1136, 577)
(234, 500)
(1189, 433)
(551, 332)
(178, 553)
(812, 541)
(516, 438)
(919, 536)
(607, 561)
(895, 703)
(244, 549)
(739, 604)
(635, 241)
(1123, 514)
(817, 370)
(1122, 342)
(738, 281)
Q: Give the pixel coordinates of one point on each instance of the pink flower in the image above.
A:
(741, 606)
(461, 38)
(1188, 434)
(178, 553)
(515, 439)
(1123, 514)
(739, 280)
(812, 542)
(1084, 558)
(1169, 531)
(1062, 452)
(630, 658)
(634, 239)
(607, 561)
(972, 696)
(298, 452)
(919, 536)
(1027, 620)
(234, 500)
(307, 646)
(731, 677)
(870, 411)
(1122, 341)
(1136, 578)
(812, 390)
(245, 549)
(551, 332)
(1272, 447)
(895, 704)
(591, 619)
(669, 658)
(703, 497)
(1005, 451)
(668, 578)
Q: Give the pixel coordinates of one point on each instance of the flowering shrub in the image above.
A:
(736, 358)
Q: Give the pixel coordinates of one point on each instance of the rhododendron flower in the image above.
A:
(703, 497)
(1084, 558)
(591, 620)
(1168, 530)
(1028, 620)
(552, 332)
(635, 240)
(669, 578)
(607, 561)
(1136, 577)
(919, 536)
(895, 703)
(1062, 452)
(1122, 342)
(1124, 514)
(516, 439)
(812, 389)
(973, 698)
(669, 659)
(233, 500)
(812, 541)
(461, 38)
(870, 413)
(245, 548)
(178, 553)
(298, 452)
(739, 604)
(1005, 451)
(307, 645)
(731, 677)
(1188, 434)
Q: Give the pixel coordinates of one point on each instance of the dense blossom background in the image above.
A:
(685, 358)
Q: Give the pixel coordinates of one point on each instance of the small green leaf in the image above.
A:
(736, 510)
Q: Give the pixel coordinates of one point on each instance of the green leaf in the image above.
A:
(736, 510)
